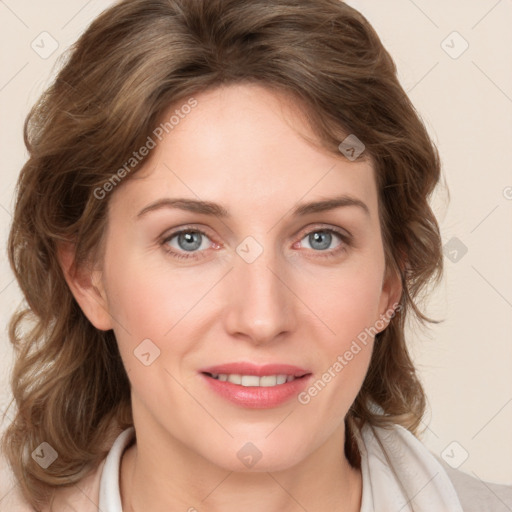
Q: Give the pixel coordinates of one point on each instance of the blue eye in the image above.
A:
(187, 240)
(320, 239)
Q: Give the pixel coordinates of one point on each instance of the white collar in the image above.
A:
(110, 496)
(398, 473)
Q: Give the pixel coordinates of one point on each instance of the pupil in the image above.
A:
(322, 238)
(191, 238)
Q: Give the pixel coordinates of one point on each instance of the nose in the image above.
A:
(261, 306)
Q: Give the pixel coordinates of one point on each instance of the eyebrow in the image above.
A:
(215, 209)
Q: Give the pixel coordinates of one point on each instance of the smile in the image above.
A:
(253, 380)
(256, 387)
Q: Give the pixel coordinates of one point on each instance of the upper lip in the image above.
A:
(245, 368)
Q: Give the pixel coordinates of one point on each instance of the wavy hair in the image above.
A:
(134, 61)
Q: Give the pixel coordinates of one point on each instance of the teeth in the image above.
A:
(268, 380)
(250, 380)
(235, 378)
(281, 379)
(253, 380)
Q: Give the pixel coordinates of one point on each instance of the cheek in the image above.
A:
(347, 304)
(151, 300)
(150, 312)
(146, 298)
(347, 300)
(145, 303)
(350, 310)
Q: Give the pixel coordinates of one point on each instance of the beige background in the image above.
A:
(465, 98)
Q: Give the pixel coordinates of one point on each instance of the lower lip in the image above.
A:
(257, 397)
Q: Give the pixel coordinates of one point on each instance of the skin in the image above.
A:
(240, 147)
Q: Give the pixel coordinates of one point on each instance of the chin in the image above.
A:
(243, 455)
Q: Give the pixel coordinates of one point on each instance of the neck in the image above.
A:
(184, 481)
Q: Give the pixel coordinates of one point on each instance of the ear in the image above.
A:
(390, 297)
(87, 287)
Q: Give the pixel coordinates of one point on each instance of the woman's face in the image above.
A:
(260, 276)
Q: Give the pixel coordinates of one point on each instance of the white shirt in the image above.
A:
(398, 474)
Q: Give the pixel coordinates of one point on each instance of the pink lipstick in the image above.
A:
(256, 387)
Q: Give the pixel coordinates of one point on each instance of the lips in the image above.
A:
(253, 386)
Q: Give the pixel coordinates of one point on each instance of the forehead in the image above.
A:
(245, 143)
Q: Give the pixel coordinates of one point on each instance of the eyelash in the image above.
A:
(346, 242)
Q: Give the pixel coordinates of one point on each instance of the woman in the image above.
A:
(220, 232)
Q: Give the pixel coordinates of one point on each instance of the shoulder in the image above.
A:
(396, 456)
(82, 496)
(476, 495)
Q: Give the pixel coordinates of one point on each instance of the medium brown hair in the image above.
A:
(133, 62)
